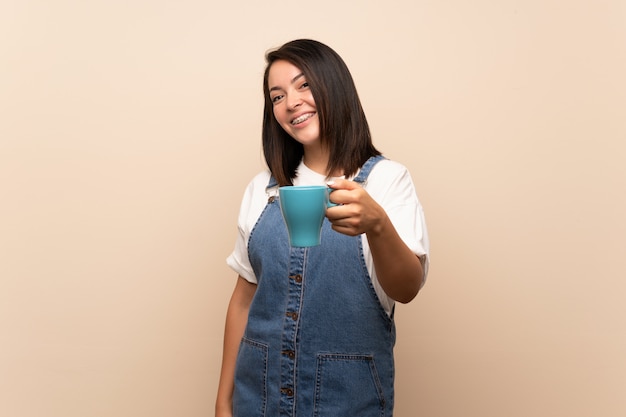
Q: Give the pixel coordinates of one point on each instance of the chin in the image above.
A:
(307, 141)
(306, 138)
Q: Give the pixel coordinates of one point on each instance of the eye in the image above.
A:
(305, 85)
(276, 98)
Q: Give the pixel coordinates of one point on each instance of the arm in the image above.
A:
(236, 318)
(399, 270)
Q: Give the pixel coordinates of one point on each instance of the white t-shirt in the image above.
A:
(389, 184)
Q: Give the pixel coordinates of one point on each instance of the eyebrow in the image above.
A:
(293, 80)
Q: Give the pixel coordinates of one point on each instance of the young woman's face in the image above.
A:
(294, 107)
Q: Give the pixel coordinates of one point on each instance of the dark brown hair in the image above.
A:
(343, 126)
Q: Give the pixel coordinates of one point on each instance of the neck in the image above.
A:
(316, 158)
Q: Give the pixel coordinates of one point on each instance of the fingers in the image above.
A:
(341, 184)
(350, 231)
(356, 211)
(348, 220)
(344, 219)
(345, 191)
(347, 217)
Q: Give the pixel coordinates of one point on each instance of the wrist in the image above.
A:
(379, 227)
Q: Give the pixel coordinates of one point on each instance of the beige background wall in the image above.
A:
(129, 128)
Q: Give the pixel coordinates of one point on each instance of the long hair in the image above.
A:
(343, 127)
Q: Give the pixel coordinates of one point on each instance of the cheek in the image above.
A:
(276, 113)
(311, 100)
(279, 116)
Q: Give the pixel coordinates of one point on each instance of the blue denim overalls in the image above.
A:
(318, 343)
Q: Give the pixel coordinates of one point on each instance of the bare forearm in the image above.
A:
(398, 269)
(236, 318)
(232, 337)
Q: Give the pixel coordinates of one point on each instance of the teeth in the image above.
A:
(301, 118)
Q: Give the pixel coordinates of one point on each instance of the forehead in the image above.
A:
(282, 73)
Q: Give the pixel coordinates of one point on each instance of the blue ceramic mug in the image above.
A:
(303, 208)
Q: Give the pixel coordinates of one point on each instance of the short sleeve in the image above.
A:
(252, 204)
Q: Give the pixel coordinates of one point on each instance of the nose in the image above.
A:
(294, 101)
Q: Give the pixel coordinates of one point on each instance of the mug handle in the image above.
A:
(329, 203)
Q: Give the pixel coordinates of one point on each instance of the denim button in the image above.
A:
(289, 353)
(287, 391)
(292, 314)
(297, 278)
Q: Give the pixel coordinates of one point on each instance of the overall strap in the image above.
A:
(361, 178)
(272, 183)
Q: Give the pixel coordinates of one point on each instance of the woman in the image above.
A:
(310, 331)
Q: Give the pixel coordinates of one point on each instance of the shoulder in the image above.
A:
(255, 195)
(390, 179)
(258, 184)
(260, 180)
(388, 168)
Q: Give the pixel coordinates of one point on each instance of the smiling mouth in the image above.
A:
(302, 118)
